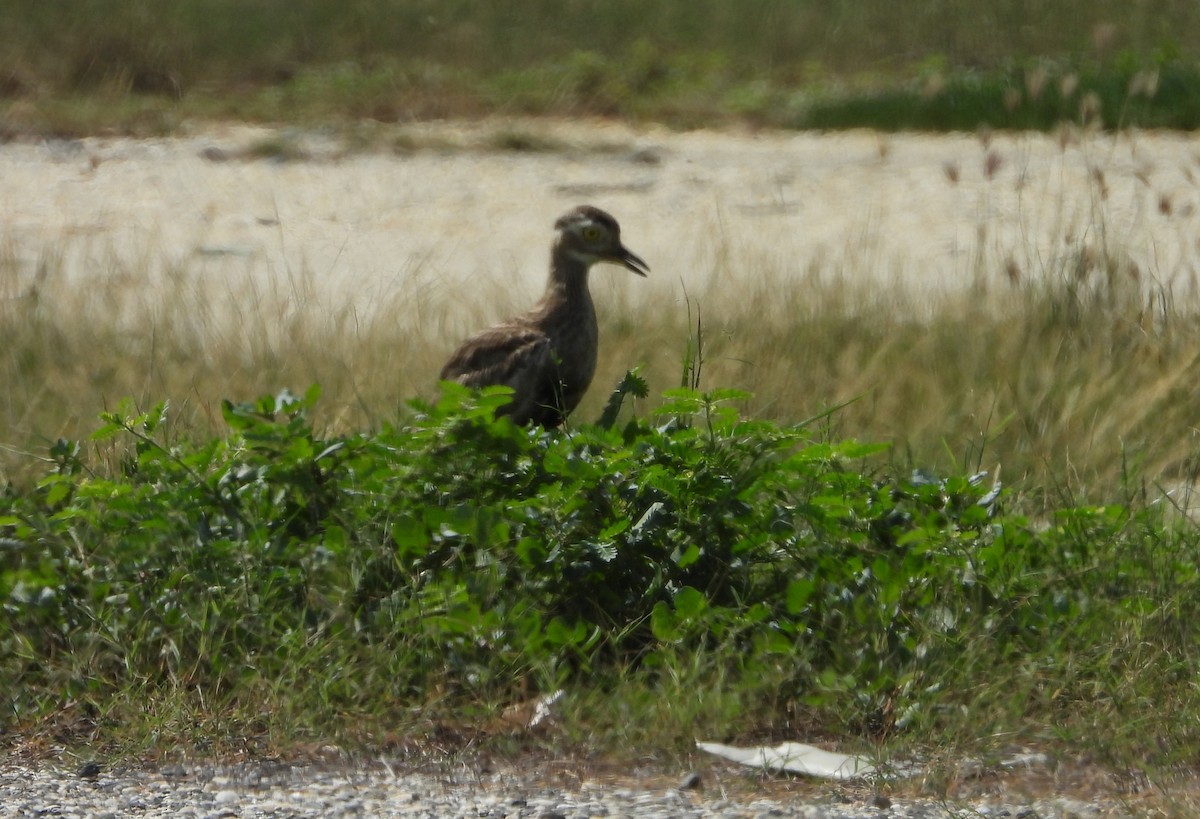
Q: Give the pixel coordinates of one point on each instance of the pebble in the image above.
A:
(274, 790)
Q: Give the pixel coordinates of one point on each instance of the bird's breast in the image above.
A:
(574, 342)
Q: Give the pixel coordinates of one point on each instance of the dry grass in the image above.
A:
(1075, 383)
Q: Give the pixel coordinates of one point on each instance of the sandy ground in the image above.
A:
(920, 209)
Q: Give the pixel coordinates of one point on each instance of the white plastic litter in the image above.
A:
(796, 757)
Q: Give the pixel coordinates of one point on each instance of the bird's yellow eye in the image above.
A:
(590, 232)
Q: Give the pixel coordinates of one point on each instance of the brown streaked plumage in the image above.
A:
(548, 355)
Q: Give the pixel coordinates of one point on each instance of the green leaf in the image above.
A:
(312, 395)
(153, 419)
(799, 592)
(58, 492)
(690, 603)
(561, 633)
(663, 623)
(854, 450)
(336, 540)
(107, 431)
(773, 642)
(614, 529)
(726, 394)
(632, 384)
(410, 536)
(689, 556)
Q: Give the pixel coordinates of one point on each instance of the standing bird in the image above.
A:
(548, 355)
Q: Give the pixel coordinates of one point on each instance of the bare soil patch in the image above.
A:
(465, 203)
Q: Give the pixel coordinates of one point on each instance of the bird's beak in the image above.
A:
(631, 260)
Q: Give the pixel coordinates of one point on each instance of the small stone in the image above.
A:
(225, 797)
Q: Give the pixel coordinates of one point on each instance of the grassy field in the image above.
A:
(693, 574)
(1077, 380)
(1001, 562)
(269, 573)
(142, 68)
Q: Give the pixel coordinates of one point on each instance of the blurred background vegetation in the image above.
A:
(943, 64)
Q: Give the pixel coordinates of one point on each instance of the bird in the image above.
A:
(547, 355)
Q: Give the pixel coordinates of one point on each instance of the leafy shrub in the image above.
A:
(461, 555)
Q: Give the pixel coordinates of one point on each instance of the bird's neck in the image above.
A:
(568, 281)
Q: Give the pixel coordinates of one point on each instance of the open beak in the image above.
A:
(631, 260)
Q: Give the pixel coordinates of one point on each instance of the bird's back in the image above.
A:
(547, 357)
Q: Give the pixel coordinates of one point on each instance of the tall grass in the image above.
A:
(1077, 379)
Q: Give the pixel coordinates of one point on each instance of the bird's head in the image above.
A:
(591, 235)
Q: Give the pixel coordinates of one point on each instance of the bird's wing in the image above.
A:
(506, 354)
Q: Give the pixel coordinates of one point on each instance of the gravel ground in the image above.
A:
(383, 790)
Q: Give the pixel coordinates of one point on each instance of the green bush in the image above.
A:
(461, 555)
